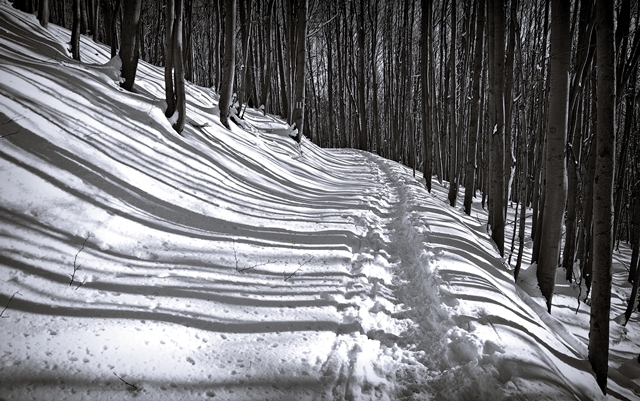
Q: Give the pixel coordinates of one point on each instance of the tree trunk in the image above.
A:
(603, 195)
(555, 169)
(114, 28)
(75, 31)
(427, 141)
(128, 49)
(229, 65)
(362, 113)
(634, 272)
(496, 96)
(43, 13)
(474, 122)
(298, 110)
(178, 71)
(168, 60)
(266, 76)
(453, 162)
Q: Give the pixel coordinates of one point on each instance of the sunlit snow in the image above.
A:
(237, 265)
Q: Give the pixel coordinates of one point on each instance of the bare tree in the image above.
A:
(299, 94)
(229, 64)
(603, 195)
(555, 169)
(43, 13)
(75, 31)
(128, 48)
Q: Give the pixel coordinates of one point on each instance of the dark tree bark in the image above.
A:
(266, 76)
(496, 109)
(43, 13)
(555, 169)
(474, 122)
(229, 64)
(426, 96)
(178, 71)
(299, 96)
(603, 195)
(168, 59)
(453, 162)
(75, 31)
(129, 49)
(113, 28)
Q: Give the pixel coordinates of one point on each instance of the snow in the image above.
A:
(227, 265)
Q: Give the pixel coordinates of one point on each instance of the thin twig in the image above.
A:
(75, 269)
(10, 299)
(235, 254)
(298, 269)
(13, 133)
(125, 382)
(83, 281)
(244, 269)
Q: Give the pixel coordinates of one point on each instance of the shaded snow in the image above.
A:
(235, 264)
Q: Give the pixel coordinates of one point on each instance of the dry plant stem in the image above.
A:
(126, 382)
(299, 267)
(76, 268)
(10, 299)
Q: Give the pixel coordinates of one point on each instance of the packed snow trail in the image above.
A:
(233, 264)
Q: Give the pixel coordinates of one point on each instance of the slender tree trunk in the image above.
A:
(75, 31)
(474, 122)
(362, 114)
(298, 110)
(229, 64)
(427, 141)
(168, 59)
(94, 19)
(43, 13)
(496, 96)
(453, 162)
(266, 77)
(178, 71)
(555, 169)
(128, 49)
(603, 195)
(634, 272)
(114, 28)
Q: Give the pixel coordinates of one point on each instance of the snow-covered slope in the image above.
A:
(234, 264)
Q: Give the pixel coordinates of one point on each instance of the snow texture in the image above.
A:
(234, 265)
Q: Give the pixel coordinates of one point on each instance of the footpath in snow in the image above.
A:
(235, 265)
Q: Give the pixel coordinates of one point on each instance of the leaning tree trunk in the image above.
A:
(603, 195)
(229, 63)
(129, 48)
(555, 169)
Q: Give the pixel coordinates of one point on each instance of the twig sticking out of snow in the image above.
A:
(10, 299)
(244, 269)
(299, 268)
(126, 382)
(76, 268)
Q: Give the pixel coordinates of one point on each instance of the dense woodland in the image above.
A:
(534, 103)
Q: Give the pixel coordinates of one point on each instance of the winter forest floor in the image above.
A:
(232, 265)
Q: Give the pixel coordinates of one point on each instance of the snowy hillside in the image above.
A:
(135, 262)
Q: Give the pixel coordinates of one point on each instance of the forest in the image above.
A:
(524, 104)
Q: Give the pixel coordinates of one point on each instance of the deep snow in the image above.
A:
(137, 263)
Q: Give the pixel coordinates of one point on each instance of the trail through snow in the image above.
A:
(233, 264)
